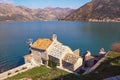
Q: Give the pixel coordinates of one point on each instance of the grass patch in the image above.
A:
(114, 57)
(110, 67)
(113, 54)
(39, 73)
(52, 64)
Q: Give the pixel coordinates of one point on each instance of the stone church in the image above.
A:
(43, 50)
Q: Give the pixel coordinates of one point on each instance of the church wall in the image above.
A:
(27, 59)
(37, 56)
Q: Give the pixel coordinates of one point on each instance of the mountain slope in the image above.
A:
(104, 10)
(9, 12)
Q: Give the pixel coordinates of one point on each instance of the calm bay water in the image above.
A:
(82, 35)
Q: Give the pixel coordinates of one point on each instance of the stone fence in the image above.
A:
(15, 71)
(96, 65)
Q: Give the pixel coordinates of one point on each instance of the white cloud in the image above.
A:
(6, 1)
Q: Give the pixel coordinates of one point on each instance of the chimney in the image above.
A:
(54, 37)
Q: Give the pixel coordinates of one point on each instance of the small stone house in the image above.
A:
(43, 50)
(90, 60)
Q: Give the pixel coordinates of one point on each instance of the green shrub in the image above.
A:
(24, 68)
(52, 64)
(16, 71)
(9, 73)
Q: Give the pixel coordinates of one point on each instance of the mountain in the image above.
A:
(9, 12)
(97, 10)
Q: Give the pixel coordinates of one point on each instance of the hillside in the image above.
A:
(110, 67)
(9, 12)
(97, 10)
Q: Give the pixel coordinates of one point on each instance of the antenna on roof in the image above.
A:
(29, 42)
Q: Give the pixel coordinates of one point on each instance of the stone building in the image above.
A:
(90, 60)
(43, 50)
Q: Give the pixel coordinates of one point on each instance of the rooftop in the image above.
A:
(71, 58)
(57, 50)
(42, 43)
(27, 55)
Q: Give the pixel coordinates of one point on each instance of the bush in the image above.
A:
(52, 64)
(24, 68)
(16, 71)
(116, 47)
(9, 73)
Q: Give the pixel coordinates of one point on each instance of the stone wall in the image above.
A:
(77, 52)
(78, 63)
(54, 59)
(37, 56)
(27, 59)
(15, 71)
(68, 66)
(44, 55)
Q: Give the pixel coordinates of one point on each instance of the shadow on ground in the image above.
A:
(109, 68)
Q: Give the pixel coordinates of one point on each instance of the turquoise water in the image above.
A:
(83, 35)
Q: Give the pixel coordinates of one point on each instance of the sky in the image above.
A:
(47, 3)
